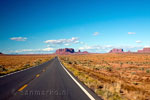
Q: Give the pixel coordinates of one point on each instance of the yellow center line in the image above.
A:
(23, 87)
(37, 75)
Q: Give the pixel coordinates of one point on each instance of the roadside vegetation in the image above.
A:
(113, 76)
(12, 63)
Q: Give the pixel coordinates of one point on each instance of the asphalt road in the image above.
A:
(49, 81)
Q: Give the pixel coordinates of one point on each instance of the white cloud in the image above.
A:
(131, 32)
(48, 45)
(86, 48)
(63, 41)
(147, 46)
(138, 41)
(35, 50)
(47, 49)
(96, 33)
(66, 44)
(96, 48)
(76, 42)
(19, 38)
(82, 42)
(107, 48)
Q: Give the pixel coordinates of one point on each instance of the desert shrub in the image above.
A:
(2, 68)
(130, 63)
(109, 69)
(147, 71)
(96, 68)
(69, 62)
(38, 62)
(65, 59)
(27, 65)
(75, 62)
(121, 63)
(142, 69)
(118, 68)
(116, 96)
(78, 62)
(133, 73)
(100, 92)
(135, 83)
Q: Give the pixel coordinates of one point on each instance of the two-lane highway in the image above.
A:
(49, 81)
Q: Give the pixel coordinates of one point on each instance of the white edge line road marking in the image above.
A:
(22, 70)
(82, 88)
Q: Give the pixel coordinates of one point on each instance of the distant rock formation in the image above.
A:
(79, 51)
(145, 50)
(65, 51)
(1, 53)
(69, 51)
(129, 51)
(116, 51)
(84, 52)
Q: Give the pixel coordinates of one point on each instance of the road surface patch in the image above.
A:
(43, 70)
(82, 88)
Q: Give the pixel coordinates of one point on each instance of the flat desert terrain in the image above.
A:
(12, 63)
(113, 76)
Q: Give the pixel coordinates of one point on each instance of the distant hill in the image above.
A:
(145, 50)
(65, 51)
(116, 51)
(1, 53)
(69, 51)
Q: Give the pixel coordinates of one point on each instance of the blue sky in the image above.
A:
(42, 26)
